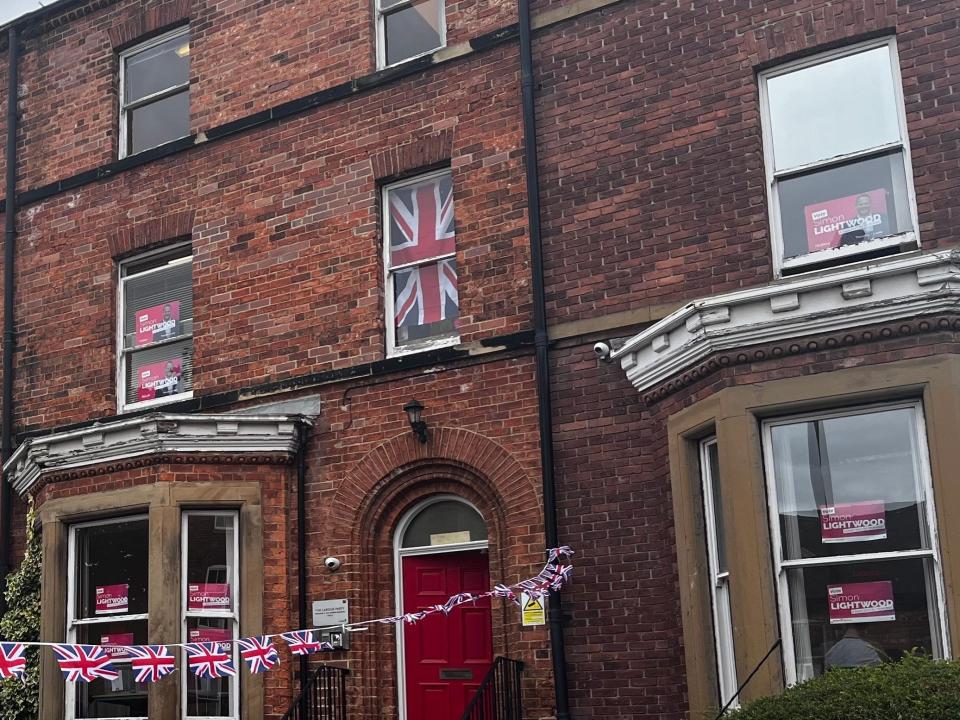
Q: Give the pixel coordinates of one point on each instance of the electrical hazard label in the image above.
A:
(531, 610)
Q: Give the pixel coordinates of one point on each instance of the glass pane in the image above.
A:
(210, 563)
(445, 522)
(426, 302)
(862, 614)
(157, 68)
(713, 462)
(844, 206)
(112, 698)
(129, 632)
(209, 697)
(421, 221)
(159, 304)
(158, 372)
(833, 108)
(413, 30)
(158, 122)
(111, 571)
(850, 485)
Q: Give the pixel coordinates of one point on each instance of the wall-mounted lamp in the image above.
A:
(419, 427)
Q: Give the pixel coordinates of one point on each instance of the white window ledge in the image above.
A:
(157, 433)
(867, 294)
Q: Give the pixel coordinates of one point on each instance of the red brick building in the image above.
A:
(247, 235)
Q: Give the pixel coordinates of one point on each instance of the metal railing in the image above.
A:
(324, 696)
(499, 696)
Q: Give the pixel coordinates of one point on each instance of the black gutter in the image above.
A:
(10, 222)
(301, 556)
(542, 359)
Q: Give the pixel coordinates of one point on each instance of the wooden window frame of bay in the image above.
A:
(736, 417)
(164, 503)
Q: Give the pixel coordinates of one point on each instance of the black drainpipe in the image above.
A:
(301, 556)
(10, 217)
(555, 611)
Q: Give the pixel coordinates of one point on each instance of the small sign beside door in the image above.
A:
(532, 610)
(330, 613)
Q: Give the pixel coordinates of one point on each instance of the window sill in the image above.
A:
(843, 257)
(411, 58)
(423, 346)
(124, 156)
(156, 402)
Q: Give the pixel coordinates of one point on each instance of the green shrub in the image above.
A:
(19, 701)
(914, 688)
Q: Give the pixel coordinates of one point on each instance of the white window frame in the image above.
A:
(393, 350)
(123, 352)
(836, 256)
(232, 615)
(399, 553)
(70, 694)
(719, 585)
(127, 108)
(938, 592)
(382, 32)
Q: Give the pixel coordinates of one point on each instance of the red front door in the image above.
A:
(445, 656)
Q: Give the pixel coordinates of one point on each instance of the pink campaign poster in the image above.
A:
(861, 602)
(116, 639)
(208, 634)
(847, 220)
(853, 522)
(160, 322)
(111, 599)
(159, 379)
(208, 596)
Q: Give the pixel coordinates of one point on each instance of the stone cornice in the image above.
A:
(158, 434)
(833, 302)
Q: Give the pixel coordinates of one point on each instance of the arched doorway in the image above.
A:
(440, 549)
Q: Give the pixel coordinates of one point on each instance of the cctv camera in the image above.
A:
(332, 563)
(602, 350)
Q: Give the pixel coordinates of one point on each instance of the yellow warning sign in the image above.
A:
(531, 610)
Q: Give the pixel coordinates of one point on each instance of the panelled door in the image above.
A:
(445, 656)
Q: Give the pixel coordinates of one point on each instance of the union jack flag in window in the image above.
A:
(84, 663)
(151, 662)
(210, 660)
(422, 264)
(259, 653)
(12, 661)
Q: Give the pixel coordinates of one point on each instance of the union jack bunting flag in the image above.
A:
(259, 653)
(12, 661)
(457, 599)
(151, 662)
(422, 229)
(505, 592)
(84, 663)
(210, 660)
(301, 642)
(553, 554)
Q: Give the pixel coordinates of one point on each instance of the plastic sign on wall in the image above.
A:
(160, 322)
(853, 522)
(111, 599)
(846, 221)
(532, 611)
(208, 596)
(861, 602)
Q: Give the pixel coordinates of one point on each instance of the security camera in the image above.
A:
(602, 350)
(332, 563)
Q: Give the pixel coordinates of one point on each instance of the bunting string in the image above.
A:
(150, 663)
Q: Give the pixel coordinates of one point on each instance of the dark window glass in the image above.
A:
(210, 552)
(120, 698)
(157, 68)
(208, 697)
(713, 459)
(413, 30)
(444, 522)
(844, 206)
(159, 122)
(109, 557)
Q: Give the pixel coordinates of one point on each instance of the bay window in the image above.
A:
(719, 571)
(210, 606)
(156, 328)
(853, 530)
(837, 158)
(107, 603)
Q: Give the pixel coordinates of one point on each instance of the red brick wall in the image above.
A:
(650, 145)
